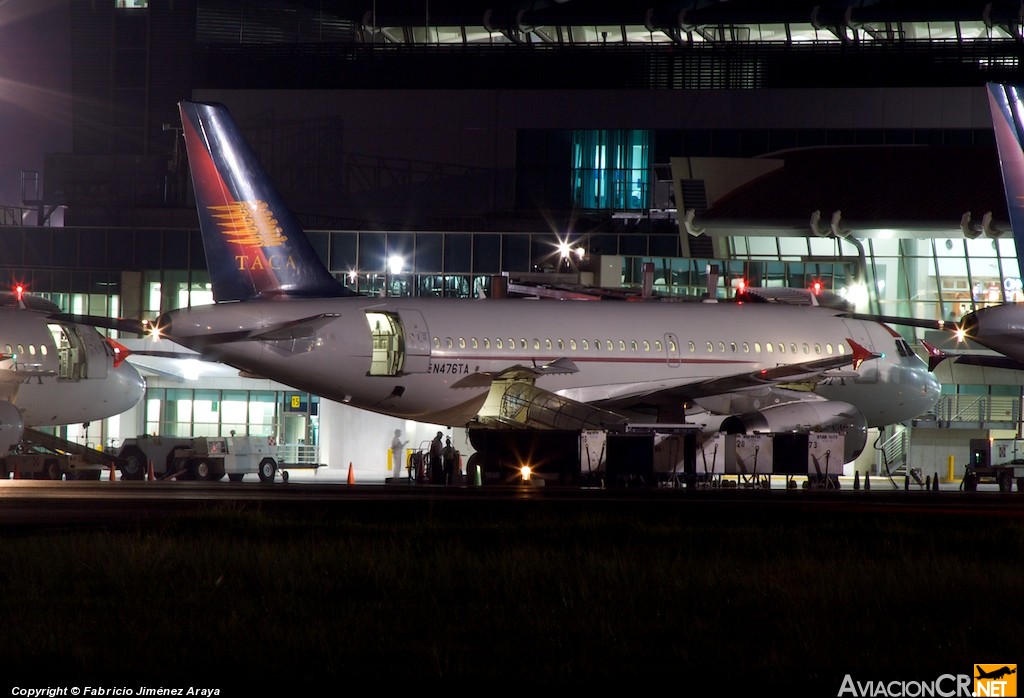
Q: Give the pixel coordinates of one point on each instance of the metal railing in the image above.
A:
(978, 409)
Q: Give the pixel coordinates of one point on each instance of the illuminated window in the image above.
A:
(647, 345)
(828, 348)
(131, 4)
(462, 343)
(498, 343)
(609, 345)
(672, 345)
(522, 343)
(721, 347)
(711, 347)
(841, 348)
(536, 344)
(768, 346)
(610, 169)
(757, 347)
(437, 342)
(657, 345)
(692, 346)
(487, 343)
(807, 349)
(572, 344)
(586, 345)
(792, 347)
(732, 347)
(782, 348)
(622, 345)
(32, 349)
(473, 343)
(561, 344)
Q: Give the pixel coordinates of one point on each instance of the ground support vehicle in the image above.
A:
(208, 458)
(43, 456)
(999, 461)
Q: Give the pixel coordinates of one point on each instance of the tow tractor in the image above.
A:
(205, 458)
(999, 461)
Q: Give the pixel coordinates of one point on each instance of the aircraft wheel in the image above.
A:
(1006, 482)
(268, 468)
(201, 470)
(51, 470)
(235, 477)
(134, 467)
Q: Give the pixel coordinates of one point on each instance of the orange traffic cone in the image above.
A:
(150, 475)
(113, 473)
(351, 474)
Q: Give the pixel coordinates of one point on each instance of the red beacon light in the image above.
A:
(816, 288)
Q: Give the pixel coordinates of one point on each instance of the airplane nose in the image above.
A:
(131, 386)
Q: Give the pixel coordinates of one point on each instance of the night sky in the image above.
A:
(35, 82)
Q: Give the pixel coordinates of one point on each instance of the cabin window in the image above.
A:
(487, 343)
(473, 343)
(768, 347)
(711, 347)
(536, 344)
(841, 348)
(746, 348)
(693, 347)
(817, 348)
(657, 345)
(757, 347)
(647, 345)
(586, 345)
(32, 349)
(622, 345)
(437, 342)
(732, 347)
(42, 349)
(672, 346)
(782, 348)
(721, 347)
(828, 348)
(572, 344)
(511, 343)
(609, 345)
(462, 342)
(792, 347)
(498, 343)
(561, 344)
(522, 343)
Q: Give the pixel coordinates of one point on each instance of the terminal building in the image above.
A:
(433, 149)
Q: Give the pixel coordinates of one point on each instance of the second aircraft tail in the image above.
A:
(254, 246)
(1007, 105)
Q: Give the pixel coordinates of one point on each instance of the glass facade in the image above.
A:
(610, 169)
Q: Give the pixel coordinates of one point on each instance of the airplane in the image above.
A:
(995, 673)
(493, 363)
(54, 372)
(997, 327)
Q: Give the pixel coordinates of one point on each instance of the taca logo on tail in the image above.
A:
(254, 246)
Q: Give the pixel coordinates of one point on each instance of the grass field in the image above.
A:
(237, 597)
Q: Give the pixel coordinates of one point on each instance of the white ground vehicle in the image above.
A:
(202, 458)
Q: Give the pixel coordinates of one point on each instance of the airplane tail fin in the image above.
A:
(1007, 105)
(254, 246)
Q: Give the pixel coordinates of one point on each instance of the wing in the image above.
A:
(515, 399)
(725, 394)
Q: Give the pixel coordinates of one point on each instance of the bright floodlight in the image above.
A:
(396, 263)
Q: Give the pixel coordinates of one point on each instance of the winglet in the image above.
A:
(121, 352)
(860, 354)
(935, 355)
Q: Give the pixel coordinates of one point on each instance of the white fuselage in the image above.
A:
(61, 373)
(404, 356)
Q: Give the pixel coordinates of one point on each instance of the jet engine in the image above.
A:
(11, 426)
(802, 416)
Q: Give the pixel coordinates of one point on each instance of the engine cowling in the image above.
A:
(12, 426)
(829, 415)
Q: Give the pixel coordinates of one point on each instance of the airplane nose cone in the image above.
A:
(129, 387)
